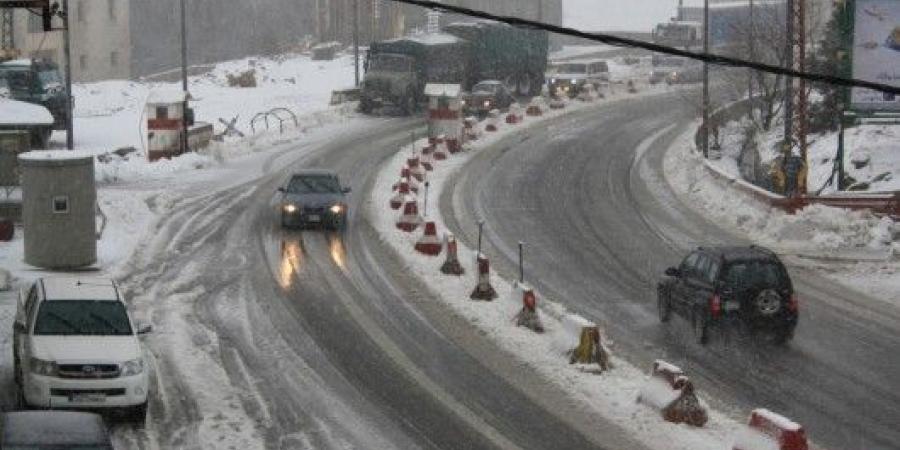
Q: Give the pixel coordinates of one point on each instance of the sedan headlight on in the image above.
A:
(337, 209)
(133, 367)
(487, 103)
(289, 208)
(41, 367)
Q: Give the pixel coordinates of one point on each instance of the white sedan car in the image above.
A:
(75, 347)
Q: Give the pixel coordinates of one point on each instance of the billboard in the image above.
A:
(876, 53)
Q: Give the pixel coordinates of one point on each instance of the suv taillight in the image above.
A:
(715, 305)
(794, 303)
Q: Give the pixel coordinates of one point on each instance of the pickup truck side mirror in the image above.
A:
(144, 328)
(673, 272)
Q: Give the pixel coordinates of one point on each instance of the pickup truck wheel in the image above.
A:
(664, 308)
(701, 328)
(138, 414)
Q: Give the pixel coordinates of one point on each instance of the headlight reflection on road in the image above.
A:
(336, 248)
(291, 257)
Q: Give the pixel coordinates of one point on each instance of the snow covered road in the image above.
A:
(589, 196)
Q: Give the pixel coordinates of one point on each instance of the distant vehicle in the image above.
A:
(727, 286)
(397, 70)
(677, 33)
(486, 96)
(664, 66)
(53, 430)
(686, 74)
(23, 116)
(74, 347)
(571, 77)
(37, 82)
(314, 197)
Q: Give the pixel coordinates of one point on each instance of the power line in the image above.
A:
(619, 41)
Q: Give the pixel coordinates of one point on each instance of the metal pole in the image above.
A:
(789, 81)
(750, 36)
(356, 42)
(480, 232)
(425, 201)
(705, 80)
(67, 49)
(839, 171)
(521, 262)
(184, 82)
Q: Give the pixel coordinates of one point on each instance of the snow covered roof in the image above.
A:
(434, 39)
(442, 90)
(17, 62)
(55, 155)
(14, 112)
(166, 96)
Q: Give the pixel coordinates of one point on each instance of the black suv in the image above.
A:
(724, 286)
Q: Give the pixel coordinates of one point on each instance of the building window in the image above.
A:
(162, 112)
(114, 59)
(79, 9)
(61, 204)
(111, 4)
(82, 62)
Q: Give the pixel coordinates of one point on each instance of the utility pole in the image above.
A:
(67, 49)
(184, 81)
(705, 80)
(750, 37)
(356, 42)
(788, 81)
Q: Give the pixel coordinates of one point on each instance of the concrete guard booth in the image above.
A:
(445, 114)
(59, 201)
(165, 112)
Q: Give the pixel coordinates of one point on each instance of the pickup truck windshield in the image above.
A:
(572, 68)
(82, 317)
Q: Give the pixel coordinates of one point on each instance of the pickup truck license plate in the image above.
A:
(732, 305)
(314, 218)
(88, 398)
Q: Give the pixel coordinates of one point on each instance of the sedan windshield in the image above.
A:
(573, 68)
(485, 88)
(82, 317)
(314, 184)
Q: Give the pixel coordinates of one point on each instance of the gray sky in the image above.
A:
(617, 15)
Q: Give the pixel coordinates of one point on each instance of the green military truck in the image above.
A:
(38, 82)
(397, 70)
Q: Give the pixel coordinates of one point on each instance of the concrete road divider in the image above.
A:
(557, 103)
(483, 290)
(403, 193)
(580, 340)
(770, 431)
(428, 243)
(453, 145)
(451, 264)
(470, 129)
(514, 115)
(535, 107)
(410, 219)
(672, 393)
(528, 315)
(440, 151)
(632, 88)
(415, 168)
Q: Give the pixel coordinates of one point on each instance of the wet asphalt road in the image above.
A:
(600, 226)
(328, 341)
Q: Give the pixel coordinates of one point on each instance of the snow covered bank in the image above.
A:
(612, 394)
(855, 248)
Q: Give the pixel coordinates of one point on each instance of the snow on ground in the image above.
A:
(110, 114)
(612, 394)
(134, 195)
(872, 156)
(855, 248)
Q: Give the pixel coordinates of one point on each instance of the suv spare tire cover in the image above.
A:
(767, 302)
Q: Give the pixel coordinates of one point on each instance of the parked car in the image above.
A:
(75, 346)
(314, 197)
(486, 96)
(728, 286)
(689, 73)
(53, 430)
(571, 77)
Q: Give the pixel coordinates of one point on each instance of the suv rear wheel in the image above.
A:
(767, 303)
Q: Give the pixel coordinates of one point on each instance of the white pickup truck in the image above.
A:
(75, 347)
